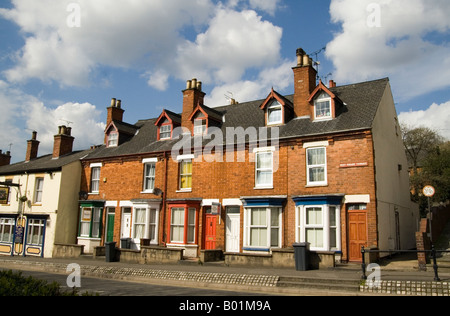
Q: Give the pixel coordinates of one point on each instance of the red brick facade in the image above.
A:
(350, 179)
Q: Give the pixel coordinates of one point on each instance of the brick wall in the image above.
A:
(122, 180)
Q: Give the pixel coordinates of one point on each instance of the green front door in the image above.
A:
(110, 227)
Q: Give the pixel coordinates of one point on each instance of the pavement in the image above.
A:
(397, 276)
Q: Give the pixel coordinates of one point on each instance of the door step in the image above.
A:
(338, 285)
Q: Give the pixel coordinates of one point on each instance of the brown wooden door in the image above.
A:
(210, 232)
(357, 234)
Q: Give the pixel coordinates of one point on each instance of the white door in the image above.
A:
(233, 232)
(126, 223)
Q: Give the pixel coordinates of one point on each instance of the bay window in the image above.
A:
(145, 222)
(183, 223)
(90, 222)
(262, 228)
(319, 226)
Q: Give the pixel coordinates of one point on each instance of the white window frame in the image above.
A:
(95, 180)
(38, 190)
(165, 129)
(301, 226)
(312, 166)
(258, 170)
(4, 223)
(320, 100)
(268, 226)
(200, 127)
(35, 227)
(147, 223)
(151, 164)
(177, 225)
(275, 106)
(113, 139)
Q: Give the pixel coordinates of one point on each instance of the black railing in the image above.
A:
(433, 252)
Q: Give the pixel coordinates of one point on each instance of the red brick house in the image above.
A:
(325, 165)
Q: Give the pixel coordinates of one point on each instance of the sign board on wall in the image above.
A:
(4, 193)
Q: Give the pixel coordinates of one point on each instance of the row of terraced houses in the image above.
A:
(324, 165)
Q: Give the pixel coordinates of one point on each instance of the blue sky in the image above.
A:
(54, 71)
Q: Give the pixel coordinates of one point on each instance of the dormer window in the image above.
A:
(165, 132)
(113, 139)
(166, 124)
(278, 110)
(322, 107)
(199, 127)
(275, 113)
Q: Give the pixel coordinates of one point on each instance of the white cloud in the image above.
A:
(144, 35)
(399, 46)
(119, 33)
(23, 113)
(436, 117)
(233, 43)
(279, 77)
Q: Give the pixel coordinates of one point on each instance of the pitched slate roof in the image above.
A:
(360, 104)
(43, 164)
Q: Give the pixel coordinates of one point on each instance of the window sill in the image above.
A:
(148, 192)
(94, 193)
(88, 238)
(184, 191)
(316, 185)
(263, 188)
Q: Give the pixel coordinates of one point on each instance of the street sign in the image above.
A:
(429, 191)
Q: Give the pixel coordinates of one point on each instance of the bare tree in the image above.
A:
(419, 142)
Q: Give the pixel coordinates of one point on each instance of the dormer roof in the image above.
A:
(275, 95)
(172, 117)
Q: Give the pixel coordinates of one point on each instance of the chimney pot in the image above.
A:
(188, 84)
(119, 104)
(34, 135)
(113, 102)
(194, 84)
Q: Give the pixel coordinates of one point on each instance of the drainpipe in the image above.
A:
(163, 196)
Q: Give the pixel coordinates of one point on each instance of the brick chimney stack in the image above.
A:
(304, 84)
(63, 143)
(5, 159)
(32, 147)
(115, 111)
(192, 97)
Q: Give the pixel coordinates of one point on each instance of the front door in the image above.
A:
(210, 231)
(126, 223)
(233, 232)
(110, 227)
(357, 231)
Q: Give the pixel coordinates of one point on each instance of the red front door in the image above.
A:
(210, 232)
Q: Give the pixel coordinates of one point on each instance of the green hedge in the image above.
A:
(14, 284)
